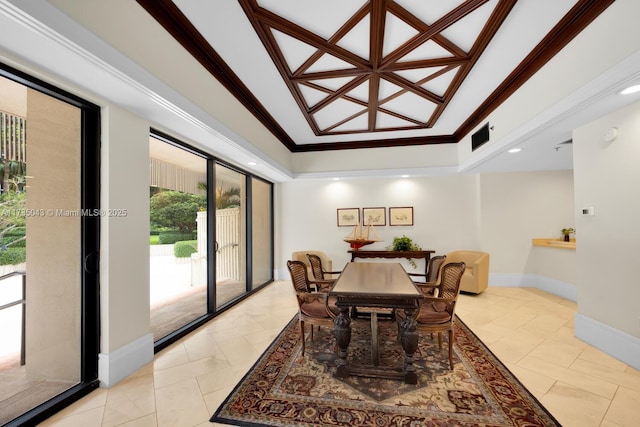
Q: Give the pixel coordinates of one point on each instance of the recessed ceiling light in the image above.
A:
(515, 150)
(631, 89)
(252, 163)
(336, 179)
(404, 176)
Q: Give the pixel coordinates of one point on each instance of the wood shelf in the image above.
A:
(554, 243)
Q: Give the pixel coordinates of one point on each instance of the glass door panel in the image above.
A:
(261, 233)
(178, 240)
(230, 234)
(40, 248)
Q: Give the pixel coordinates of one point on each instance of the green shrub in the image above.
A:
(156, 230)
(185, 248)
(12, 256)
(170, 237)
(13, 235)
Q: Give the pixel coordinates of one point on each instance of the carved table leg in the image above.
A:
(342, 331)
(409, 340)
(375, 352)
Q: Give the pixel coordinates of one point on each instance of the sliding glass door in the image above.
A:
(211, 241)
(49, 169)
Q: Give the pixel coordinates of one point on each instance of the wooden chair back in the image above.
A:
(298, 271)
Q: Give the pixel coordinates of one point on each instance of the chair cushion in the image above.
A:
(433, 313)
(314, 308)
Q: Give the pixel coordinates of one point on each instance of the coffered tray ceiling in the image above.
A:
(338, 74)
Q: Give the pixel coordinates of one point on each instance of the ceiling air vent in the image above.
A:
(480, 137)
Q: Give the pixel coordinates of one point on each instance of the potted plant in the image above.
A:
(567, 232)
(403, 244)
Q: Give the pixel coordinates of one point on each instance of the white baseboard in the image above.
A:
(119, 364)
(612, 341)
(553, 286)
(281, 274)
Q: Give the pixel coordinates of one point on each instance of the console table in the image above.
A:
(393, 254)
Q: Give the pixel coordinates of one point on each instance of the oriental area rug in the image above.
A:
(286, 388)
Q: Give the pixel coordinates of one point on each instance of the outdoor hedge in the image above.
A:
(185, 248)
(13, 235)
(170, 237)
(12, 256)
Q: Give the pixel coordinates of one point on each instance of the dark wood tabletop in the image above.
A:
(370, 280)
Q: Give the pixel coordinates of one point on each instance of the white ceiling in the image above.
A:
(53, 41)
(228, 30)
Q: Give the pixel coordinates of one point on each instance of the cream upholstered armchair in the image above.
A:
(302, 256)
(476, 275)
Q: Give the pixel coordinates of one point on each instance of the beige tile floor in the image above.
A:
(529, 330)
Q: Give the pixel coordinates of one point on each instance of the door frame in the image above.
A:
(90, 247)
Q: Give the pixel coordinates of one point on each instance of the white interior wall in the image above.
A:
(517, 207)
(345, 163)
(126, 343)
(607, 178)
(444, 211)
(497, 213)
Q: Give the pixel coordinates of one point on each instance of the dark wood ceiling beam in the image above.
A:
(440, 25)
(342, 31)
(167, 14)
(376, 32)
(376, 143)
(376, 45)
(332, 74)
(329, 91)
(328, 130)
(490, 29)
(272, 47)
(420, 26)
(576, 20)
(338, 94)
(437, 74)
(374, 90)
(409, 86)
(274, 21)
(427, 63)
(417, 123)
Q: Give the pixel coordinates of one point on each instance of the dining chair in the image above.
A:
(437, 313)
(430, 283)
(314, 307)
(327, 262)
(320, 275)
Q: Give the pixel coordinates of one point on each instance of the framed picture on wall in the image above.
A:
(348, 217)
(374, 216)
(401, 216)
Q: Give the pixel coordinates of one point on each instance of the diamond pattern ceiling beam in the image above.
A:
(378, 66)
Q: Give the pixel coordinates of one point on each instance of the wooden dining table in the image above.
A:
(376, 285)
